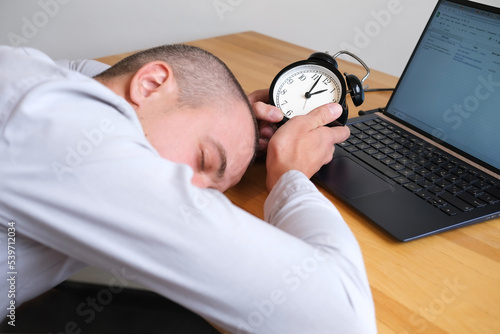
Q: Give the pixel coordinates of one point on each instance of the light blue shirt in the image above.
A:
(81, 185)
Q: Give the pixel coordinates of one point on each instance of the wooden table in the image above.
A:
(446, 283)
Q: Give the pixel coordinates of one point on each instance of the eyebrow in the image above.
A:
(222, 157)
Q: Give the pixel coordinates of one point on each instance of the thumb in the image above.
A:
(323, 115)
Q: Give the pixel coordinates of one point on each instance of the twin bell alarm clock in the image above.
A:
(307, 84)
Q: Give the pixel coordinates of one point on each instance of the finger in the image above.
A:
(327, 139)
(335, 135)
(320, 116)
(325, 114)
(262, 145)
(259, 95)
(267, 132)
(267, 112)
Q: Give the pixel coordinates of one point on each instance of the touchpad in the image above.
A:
(352, 180)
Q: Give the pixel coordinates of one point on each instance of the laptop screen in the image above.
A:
(450, 89)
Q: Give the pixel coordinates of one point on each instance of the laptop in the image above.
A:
(430, 162)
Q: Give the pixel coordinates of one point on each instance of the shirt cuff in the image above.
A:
(290, 185)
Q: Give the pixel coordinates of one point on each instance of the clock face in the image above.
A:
(304, 88)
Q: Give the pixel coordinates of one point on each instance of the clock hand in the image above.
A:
(308, 94)
(319, 91)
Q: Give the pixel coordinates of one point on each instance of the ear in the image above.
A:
(149, 81)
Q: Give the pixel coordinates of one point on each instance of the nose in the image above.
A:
(201, 180)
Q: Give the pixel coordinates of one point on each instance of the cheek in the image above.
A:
(180, 152)
(243, 156)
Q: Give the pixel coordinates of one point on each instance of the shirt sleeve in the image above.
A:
(83, 181)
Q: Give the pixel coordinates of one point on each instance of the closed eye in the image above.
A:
(202, 160)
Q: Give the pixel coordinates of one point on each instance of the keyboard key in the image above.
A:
(406, 172)
(424, 172)
(395, 155)
(404, 161)
(401, 180)
(416, 178)
(493, 191)
(437, 202)
(386, 150)
(376, 164)
(442, 183)
(388, 161)
(435, 189)
(371, 141)
(481, 184)
(456, 202)
(469, 178)
(448, 166)
(425, 183)
(355, 141)
(488, 198)
(454, 190)
(379, 156)
(361, 126)
(362, 146)
(475, 191)
(397, 166)
(413, 187)
(442, 173)
(449, 210)
(433, 177)
(351, 149)
(396, 146)
(371, 151)
(354, 131)
(452, 178)
(462, 184)
(424, 194)
(471, 200)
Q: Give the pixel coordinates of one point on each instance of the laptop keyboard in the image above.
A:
(431, 174)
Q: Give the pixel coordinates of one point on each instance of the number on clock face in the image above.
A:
(305, 87)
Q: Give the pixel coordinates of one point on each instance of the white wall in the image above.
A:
(382, 32)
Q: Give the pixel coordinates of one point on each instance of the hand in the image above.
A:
(304, 143)
(266, 116)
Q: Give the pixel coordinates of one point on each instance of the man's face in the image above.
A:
(218, 145)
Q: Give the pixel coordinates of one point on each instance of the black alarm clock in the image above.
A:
(307, 84)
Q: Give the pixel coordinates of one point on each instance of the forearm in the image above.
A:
(296, 207)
